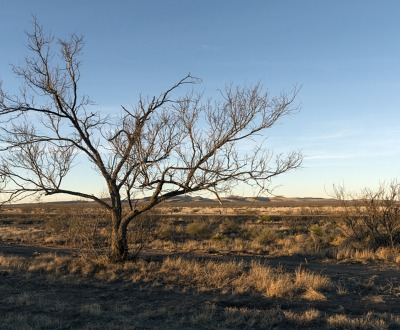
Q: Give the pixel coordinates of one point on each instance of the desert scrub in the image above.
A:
(320, 237)
(166, 231)
(141, 233)
(81, 227)
(264, 219)
(290, 245)
(266, 236)
(295, 224)
(199, 230)
(230, 227)
(372, 216)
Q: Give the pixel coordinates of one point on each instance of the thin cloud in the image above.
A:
(207, 47)
(352, 155)
(332, 136)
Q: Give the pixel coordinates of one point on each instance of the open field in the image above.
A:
(266, 264)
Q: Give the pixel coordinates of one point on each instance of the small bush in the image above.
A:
(141, 232)
(372, 217)
(266, 236)
(229, 227)
(295, 224)
(166, 231)
(263, 219)
(82, 230)
(320, 237)
(199, 230)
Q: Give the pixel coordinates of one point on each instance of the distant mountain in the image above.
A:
(190, 199)
(187, 200)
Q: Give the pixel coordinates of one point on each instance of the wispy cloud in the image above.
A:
(353, 155)
(207, 47)
(345, 133)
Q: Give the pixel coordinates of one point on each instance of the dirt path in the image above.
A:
(30, 250)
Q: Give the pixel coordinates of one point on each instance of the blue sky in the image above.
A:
(345, 54)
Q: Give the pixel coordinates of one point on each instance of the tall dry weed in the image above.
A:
(275, 282)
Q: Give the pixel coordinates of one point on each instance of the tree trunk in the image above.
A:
(119, 242)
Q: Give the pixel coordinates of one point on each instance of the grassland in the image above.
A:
(267, 264)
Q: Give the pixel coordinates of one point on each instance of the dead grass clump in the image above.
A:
(350, 253)
(292, 245)
(91, 309)
(299, 244)
(313, 295)
(203, 275)
(277, 283)
(154, 313)
(23, 299)
(306, 318)
(374, 299)
(259, 248)
(272, 283)
(12, 263)
(54, 240)
(244, 318)
(61, 265)
(305, 279)
(385, 254)
(368, 321)
(51, 263)
(26, 235)
(25, 320)
(341, 289)
(204, 316)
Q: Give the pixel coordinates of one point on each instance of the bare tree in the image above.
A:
(372, 216)
(163, 147)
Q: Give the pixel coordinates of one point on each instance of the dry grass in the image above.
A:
(306, 318)
(214, 290)
(23, 299)
(92, 309)
(276, 231)
(13, 263)
(204, 276)
(22, 321)
(25, 234)
(214, 277)
(252, 319)
(382, 254)
(368, 321)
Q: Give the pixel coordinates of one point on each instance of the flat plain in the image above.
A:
(248, 263)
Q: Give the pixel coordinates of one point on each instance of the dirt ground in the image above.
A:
(37, 300)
